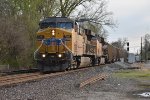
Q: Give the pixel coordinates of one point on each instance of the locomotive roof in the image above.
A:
(57, 19)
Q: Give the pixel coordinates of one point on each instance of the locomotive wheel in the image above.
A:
(68, 69)
(72, 66)
(75, 66)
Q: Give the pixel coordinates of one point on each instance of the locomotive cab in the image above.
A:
(54, 44)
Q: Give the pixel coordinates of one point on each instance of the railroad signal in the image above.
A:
(127, 43)
(127, 46)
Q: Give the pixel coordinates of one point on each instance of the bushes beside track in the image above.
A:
(16, 43)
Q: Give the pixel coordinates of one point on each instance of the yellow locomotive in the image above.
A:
(63, 44)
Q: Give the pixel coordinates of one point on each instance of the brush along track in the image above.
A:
(20, 78)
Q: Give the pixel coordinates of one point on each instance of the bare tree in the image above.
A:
(92, 10)
(95, 12)
(146, 47)
(68, 6)
(120, 43)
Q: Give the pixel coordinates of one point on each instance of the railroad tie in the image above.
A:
(93, 79)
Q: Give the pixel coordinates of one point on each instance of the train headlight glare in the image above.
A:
(59, 55)
(53, 32)
(43, 55)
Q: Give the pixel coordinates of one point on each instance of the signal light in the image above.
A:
(127, 43)
(127, 48)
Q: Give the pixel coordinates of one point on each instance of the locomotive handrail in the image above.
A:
(48, 43)
(66, 47)
(58, 41)
(38, 49)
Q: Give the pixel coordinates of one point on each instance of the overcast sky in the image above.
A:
(133, 17)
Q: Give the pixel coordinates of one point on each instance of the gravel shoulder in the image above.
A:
(66, 87)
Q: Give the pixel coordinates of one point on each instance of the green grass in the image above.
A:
(144, 85)
(138, 74)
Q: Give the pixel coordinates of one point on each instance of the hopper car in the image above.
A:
(113, 54)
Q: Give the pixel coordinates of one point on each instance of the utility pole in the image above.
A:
(145, 49)
(141, 49)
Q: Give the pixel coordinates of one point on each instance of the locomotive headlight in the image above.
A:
(53, 32)
(43, 55)
(59, 55)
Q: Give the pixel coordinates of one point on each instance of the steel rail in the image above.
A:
(20, 78)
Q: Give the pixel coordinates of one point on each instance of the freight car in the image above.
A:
(113, 54)
(63, 44)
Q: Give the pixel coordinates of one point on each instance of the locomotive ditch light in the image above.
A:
(59, 55)
(43, 55)
(53, 32)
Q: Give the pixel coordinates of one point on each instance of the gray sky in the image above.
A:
(133, 17)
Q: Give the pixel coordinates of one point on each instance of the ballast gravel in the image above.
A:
(66, 87)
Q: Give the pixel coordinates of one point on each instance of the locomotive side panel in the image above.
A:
(80, 42)
(99, 51)
(74, 42)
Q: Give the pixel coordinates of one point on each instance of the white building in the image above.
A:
(131, 58)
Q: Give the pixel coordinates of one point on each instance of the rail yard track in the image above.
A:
(26, 77)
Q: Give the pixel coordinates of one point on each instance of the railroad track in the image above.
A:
(13, 79)
(93, 79)
(20, 78)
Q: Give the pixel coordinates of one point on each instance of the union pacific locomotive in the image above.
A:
(63, 44)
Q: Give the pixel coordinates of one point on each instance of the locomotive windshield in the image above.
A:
(57, 22)
(47, 24)
(65, 25)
